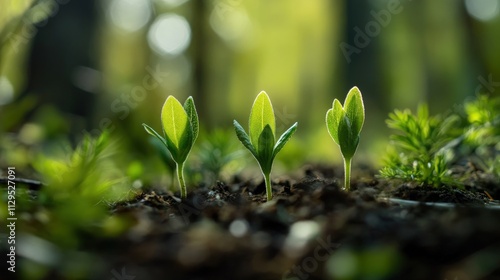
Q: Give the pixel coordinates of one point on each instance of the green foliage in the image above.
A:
(180, 128)
(427, 148)
(79, 172)
(482, 133)
(70, 208)
(218, 152)
(344, 125)
(421, 147)
(483, 121)
(78, 186)
(494, 164)
(261, 141)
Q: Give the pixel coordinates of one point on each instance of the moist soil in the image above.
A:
(312, 229)
(229, 231)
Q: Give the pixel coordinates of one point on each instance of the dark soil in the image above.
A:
(229, 231)
(310, 230)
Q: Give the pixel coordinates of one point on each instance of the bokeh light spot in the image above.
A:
(174, 3)
(483, 10)
(169, 34)
(6, 91)
(234, 26)
(130, 15)
(238, 228)
(343, 264)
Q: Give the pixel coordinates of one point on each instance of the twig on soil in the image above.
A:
(32, 184)
(491, 198)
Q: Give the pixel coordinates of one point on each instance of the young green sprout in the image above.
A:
(344, 125)
(262, 141)
(180, 128)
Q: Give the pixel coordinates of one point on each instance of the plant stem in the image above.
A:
(180, 176)
(269, 188)
(172, 180)
(347, 174)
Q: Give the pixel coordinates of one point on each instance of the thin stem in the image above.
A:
(269, 188)
(180, 176)
(347, 174)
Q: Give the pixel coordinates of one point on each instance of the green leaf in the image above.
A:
(283, 139)
(265, 149)
(177, 129)
(192, 116)
(348, 140)
(355, 110)
(333, 117)
(243, 137)
(261, 115)
(154, 133)
(174, 120)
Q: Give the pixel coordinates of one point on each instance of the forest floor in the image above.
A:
(310, 230)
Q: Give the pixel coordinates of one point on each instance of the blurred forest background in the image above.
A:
(69, 66)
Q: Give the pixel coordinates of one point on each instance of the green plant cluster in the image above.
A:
(426, 148)
(420, 152)
(180, 130)
(78, 186)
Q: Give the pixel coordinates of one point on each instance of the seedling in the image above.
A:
(261, 139)
(180, 128)
(344, 124)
